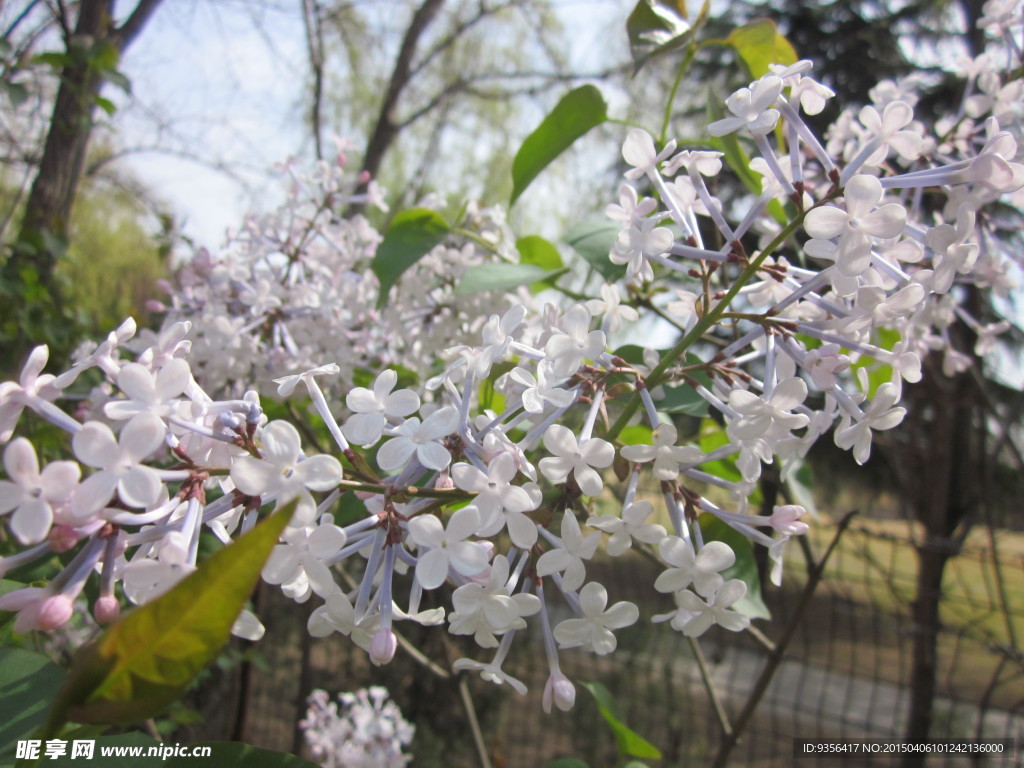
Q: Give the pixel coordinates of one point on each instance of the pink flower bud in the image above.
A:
(364, 177)
(444, 482)
(62, 538)
(55, 612)
(106, 609)
(784, 520)
(383, 647)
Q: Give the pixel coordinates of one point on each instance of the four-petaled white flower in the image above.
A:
(854, 227)
(880, 415)
(752, 109)
(632, 525)
(575, 343)
(757, 415)
(666, 454)
(420, 440)
(298, 563)
(150, 392)
(500, 503)
(486, 610)
(444, 548)
(283, 474)
(32, 494)
(120, 463)
(372, 409)
(637, 244)
(703, 569)
(639, 151)
(568, 456)
(568, 558)
(695, 615)
(542, 390)
(593, 631)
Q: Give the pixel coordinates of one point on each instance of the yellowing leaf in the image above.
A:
(759, 44)
(143, 662)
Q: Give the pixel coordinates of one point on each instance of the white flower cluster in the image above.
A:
(296, 286)
(367, 732)
(486, 479)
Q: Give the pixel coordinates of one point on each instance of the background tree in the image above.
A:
(91, 41)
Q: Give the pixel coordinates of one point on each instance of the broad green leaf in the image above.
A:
(637, 434)
(759, 43)
(745, 567)
(16, 92)
(629, 742)
(535, 250)
(655, 28)
(682, 398)
(578, 111)
(106, 105)
(501, 277)
(28, 683)
(411, 236)
(593, 240)
(567, 762)
(143, 662)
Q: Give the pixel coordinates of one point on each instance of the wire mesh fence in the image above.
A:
(843, 675)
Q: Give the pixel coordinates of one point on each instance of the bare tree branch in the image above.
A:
(124, 35)
(386, 129)
(315, 47)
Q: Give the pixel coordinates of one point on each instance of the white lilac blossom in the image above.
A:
(506, 457)
(366, 731)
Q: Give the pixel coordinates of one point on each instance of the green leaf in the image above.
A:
(759, 43)
(567, 762)
(411, 236)
(578, 111)
(143, 662)
(535, 250)
(28, 683)
(16, 92)
(501, 277)
(637, 434)
(654, 29)
(106, 105)
(119, 80)
(745, 567)
(593, 240)
(53, 59)
(629, 742)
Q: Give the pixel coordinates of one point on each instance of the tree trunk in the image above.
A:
(943, 471)
(32, 306)
(53, 191)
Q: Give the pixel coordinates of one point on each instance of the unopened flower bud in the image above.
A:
(444, 482)
(62, 538)
(383, 647)
(106, 610)
(560, 690)
(55, 612)
(785, 520)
